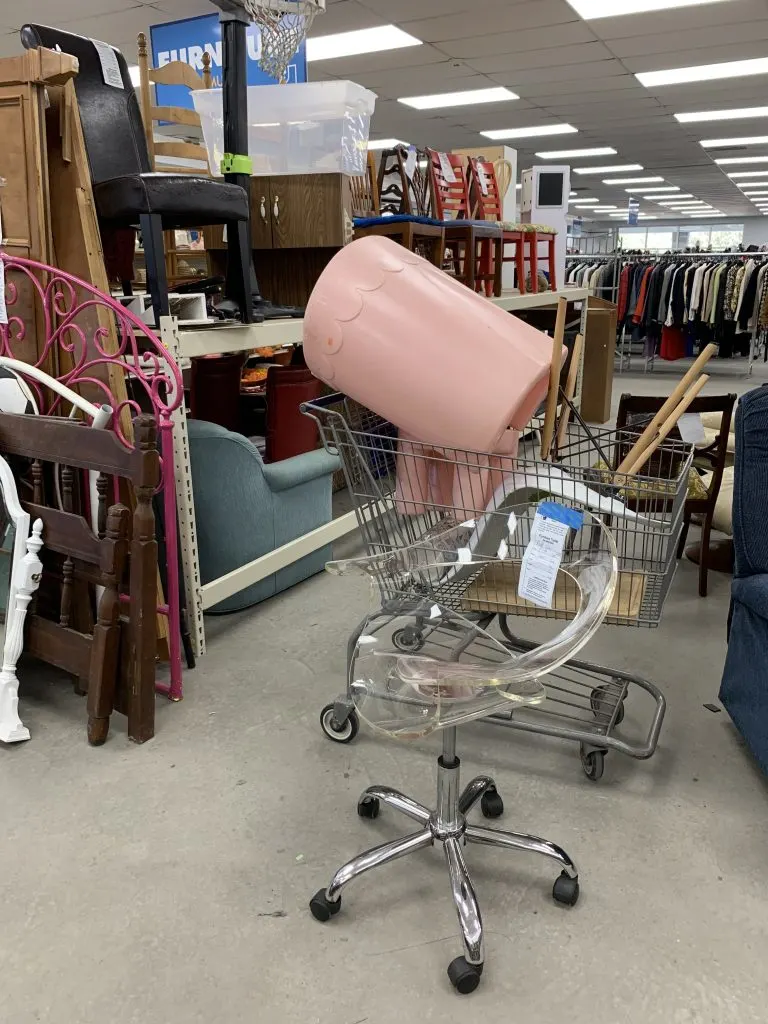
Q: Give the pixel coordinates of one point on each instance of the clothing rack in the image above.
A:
(758, 334)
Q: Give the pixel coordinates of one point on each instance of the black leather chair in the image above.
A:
(126, 191)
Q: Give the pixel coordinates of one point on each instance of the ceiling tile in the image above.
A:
(561, 36)
(547, 58)
(497, 15)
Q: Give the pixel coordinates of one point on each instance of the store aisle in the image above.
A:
(168, 884)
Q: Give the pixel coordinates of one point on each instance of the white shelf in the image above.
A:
(289, 331)
(512, 301)
(240, 337)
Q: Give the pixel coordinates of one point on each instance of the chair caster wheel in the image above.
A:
(463, 976)
(593, 763)
(321, 907)
(491, 804)
(369, 807)
(339, 733)
(566, 890)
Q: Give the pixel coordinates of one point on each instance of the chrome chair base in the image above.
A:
(447, 825)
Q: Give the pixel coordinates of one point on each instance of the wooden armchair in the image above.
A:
(702, 499)
(82, 623)
(463, 235)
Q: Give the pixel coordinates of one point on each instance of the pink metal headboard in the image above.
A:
(70, 310)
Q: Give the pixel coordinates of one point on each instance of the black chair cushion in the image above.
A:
(182, 200)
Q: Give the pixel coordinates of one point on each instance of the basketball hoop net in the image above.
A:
(284, 26)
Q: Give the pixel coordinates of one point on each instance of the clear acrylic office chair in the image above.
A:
(454, 672)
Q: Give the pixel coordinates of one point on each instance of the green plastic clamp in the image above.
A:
(232, 164)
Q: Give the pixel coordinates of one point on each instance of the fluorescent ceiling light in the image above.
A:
(658, 188)
(747, 174)
(729, 161)
(585, 199)
(660, 199)
(735, 114)
(532, 132)
(630, 181)
(607, 170)
(366, 40)
(647, 216)
(589, 9)
(752, 192)
(587, 206)
(745, 140)
(459, 99)
(704, 72)
(605, 209)
(707, 216)
(565, 154)
(687, 205)
(386, 143)
(519, 185)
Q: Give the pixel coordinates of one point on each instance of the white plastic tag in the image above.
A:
(364, 639)
(483, 181)
(434, 612)
(465, 555)
(541, 561)
(511, 525)
(3, 311)
(445, 167)
(503, 551)
(110, 66)
(470, 524)
(691, 428)
(410, 163)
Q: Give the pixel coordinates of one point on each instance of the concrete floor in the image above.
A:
(168, 884)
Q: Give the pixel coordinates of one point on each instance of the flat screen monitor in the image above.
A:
(550, 189)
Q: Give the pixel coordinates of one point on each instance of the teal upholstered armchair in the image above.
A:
(246, 508)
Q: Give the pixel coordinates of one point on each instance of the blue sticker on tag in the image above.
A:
(561, 514)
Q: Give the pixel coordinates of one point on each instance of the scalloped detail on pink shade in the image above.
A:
(441, 362)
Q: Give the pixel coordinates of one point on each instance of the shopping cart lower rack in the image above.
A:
(409, 494)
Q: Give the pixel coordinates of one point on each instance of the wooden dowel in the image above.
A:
(570, 390)
(668, 424)
(650, 431)
(548, 430)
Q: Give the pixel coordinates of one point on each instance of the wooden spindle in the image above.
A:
(37, 483)
(65, 611)
(67, 489)
(102, 487)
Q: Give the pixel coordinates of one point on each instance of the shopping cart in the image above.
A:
(410, 495)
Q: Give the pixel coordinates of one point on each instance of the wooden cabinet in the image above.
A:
(301, 220)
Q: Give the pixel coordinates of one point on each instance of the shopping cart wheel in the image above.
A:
(407, 640)
(465, 977)
(603, 699)
(339, 732)
(593, 763)
(566, 890)
(491, 804)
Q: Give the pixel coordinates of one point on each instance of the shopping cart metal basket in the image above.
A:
(407, 493)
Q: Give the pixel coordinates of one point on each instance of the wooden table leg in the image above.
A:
(438, 250)
(520, 264)
(534, 244)
(499, 250)
(470, 260)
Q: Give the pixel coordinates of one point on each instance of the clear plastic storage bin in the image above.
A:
(304, 128)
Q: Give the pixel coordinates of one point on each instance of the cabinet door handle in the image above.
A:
(276, 208)
(264, 209)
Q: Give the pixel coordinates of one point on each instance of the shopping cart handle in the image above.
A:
(323, 402)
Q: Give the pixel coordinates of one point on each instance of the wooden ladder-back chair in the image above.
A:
(175, 73)
(487, 204)
(414, 232)
(463, 235)
(87, 621)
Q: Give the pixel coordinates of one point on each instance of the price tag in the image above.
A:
(464, 555)
(110, 66)
(542, 558)
(410, 164)
(691, 428)
(446, 168)
(482, 180)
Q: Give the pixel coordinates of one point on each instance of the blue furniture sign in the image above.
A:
(189, 39)
(633, 212)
